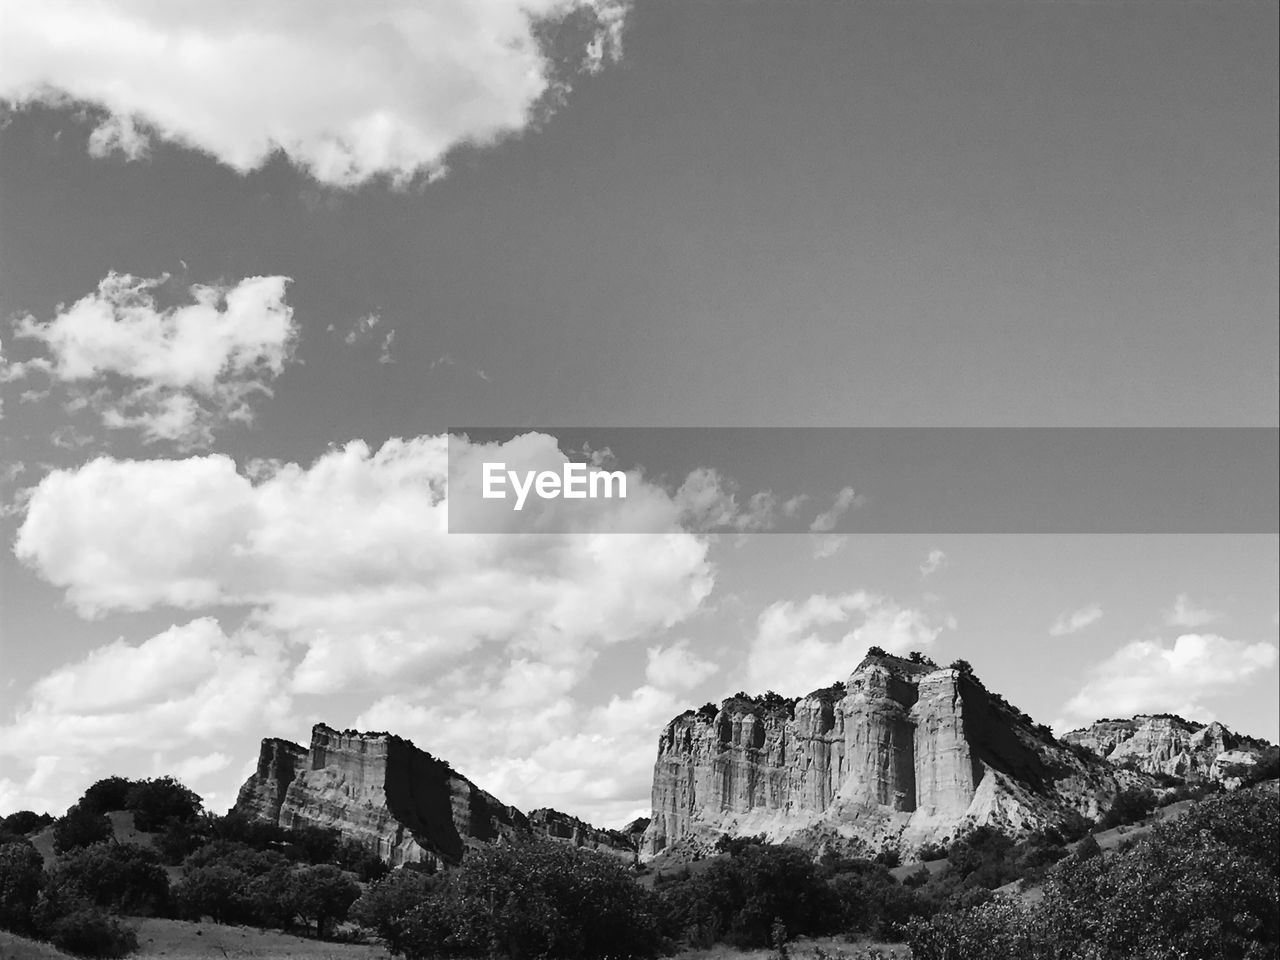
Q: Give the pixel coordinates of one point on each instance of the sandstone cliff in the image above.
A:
(902, 754)
(1167, 744)
(564, 828)
(379, 790)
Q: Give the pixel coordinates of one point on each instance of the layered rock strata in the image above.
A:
(1167, 744)
(561, 827)
(901, 754)
(377, 789)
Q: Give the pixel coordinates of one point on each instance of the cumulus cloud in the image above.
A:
(677, 667)
(801, 646)
(826, 521)
(172, 373)
(934, 562)
(1074, 621)
(353, 585)
(1184, 613)
(352, 553)
(190, 685)
(346, 91)
(1150, 676)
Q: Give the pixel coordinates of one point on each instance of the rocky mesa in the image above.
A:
(1170, 745)
(901, 754)
(396, 800)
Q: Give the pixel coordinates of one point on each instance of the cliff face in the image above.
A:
(1168, 745)
(564, 828)
(379, 790)
(902, 754)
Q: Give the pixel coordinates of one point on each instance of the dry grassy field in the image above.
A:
(179, 940)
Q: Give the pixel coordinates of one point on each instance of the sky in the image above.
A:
(257, 260)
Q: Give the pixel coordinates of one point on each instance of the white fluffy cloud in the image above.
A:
(1178, 677)
(352, 554)
(676, 667)
(474, 643)
(1184, 613)
(347, 90)
(1074, 621)
(172, 373)
(799, 647)
(188, 686)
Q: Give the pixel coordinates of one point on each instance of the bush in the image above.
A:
(535, 899)
(738, 898)
(121, 877)
(80, 827)
(107, 795)
(386, 907)
(24, 822)
(1129, 806)
(322, 894)
(156, 802)
(1203, 887)
(21, 877)
(92, 933)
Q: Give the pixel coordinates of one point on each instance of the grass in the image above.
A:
(823, 948)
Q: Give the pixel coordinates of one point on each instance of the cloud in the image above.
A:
(352, 584)
(799, 647)
(826, 521)
(828, 545)
(676, 667)
(1150, 676)
(346, 91)
(190, 685)
(1184, 613)
(709, 502)
(351, 556)
(172, 373)
(1075, 620)
(934, 562)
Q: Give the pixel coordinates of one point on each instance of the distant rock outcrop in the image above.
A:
(564, 828)
(379, 790)
(1167, 744)
(902, 754)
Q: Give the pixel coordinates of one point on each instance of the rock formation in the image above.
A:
(564, 828)
(902, 754)
(1170, 745)
(379, 790)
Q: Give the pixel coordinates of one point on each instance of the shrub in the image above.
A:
(107, 795)
(385, 908)
(24, 822)
(1129, 806)
(121, 877)
(737, 898)
(1203, 887)
(80, 827)
(155, 802)
(322, 894)
(92, 933)
(21, 877)
(535, 899)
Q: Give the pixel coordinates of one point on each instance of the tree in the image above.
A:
(80, 827)
(155, 802)
(21, 877)
(387, 906)
(106, 795)
(323, 894)
(121, 877)
(24, 822)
